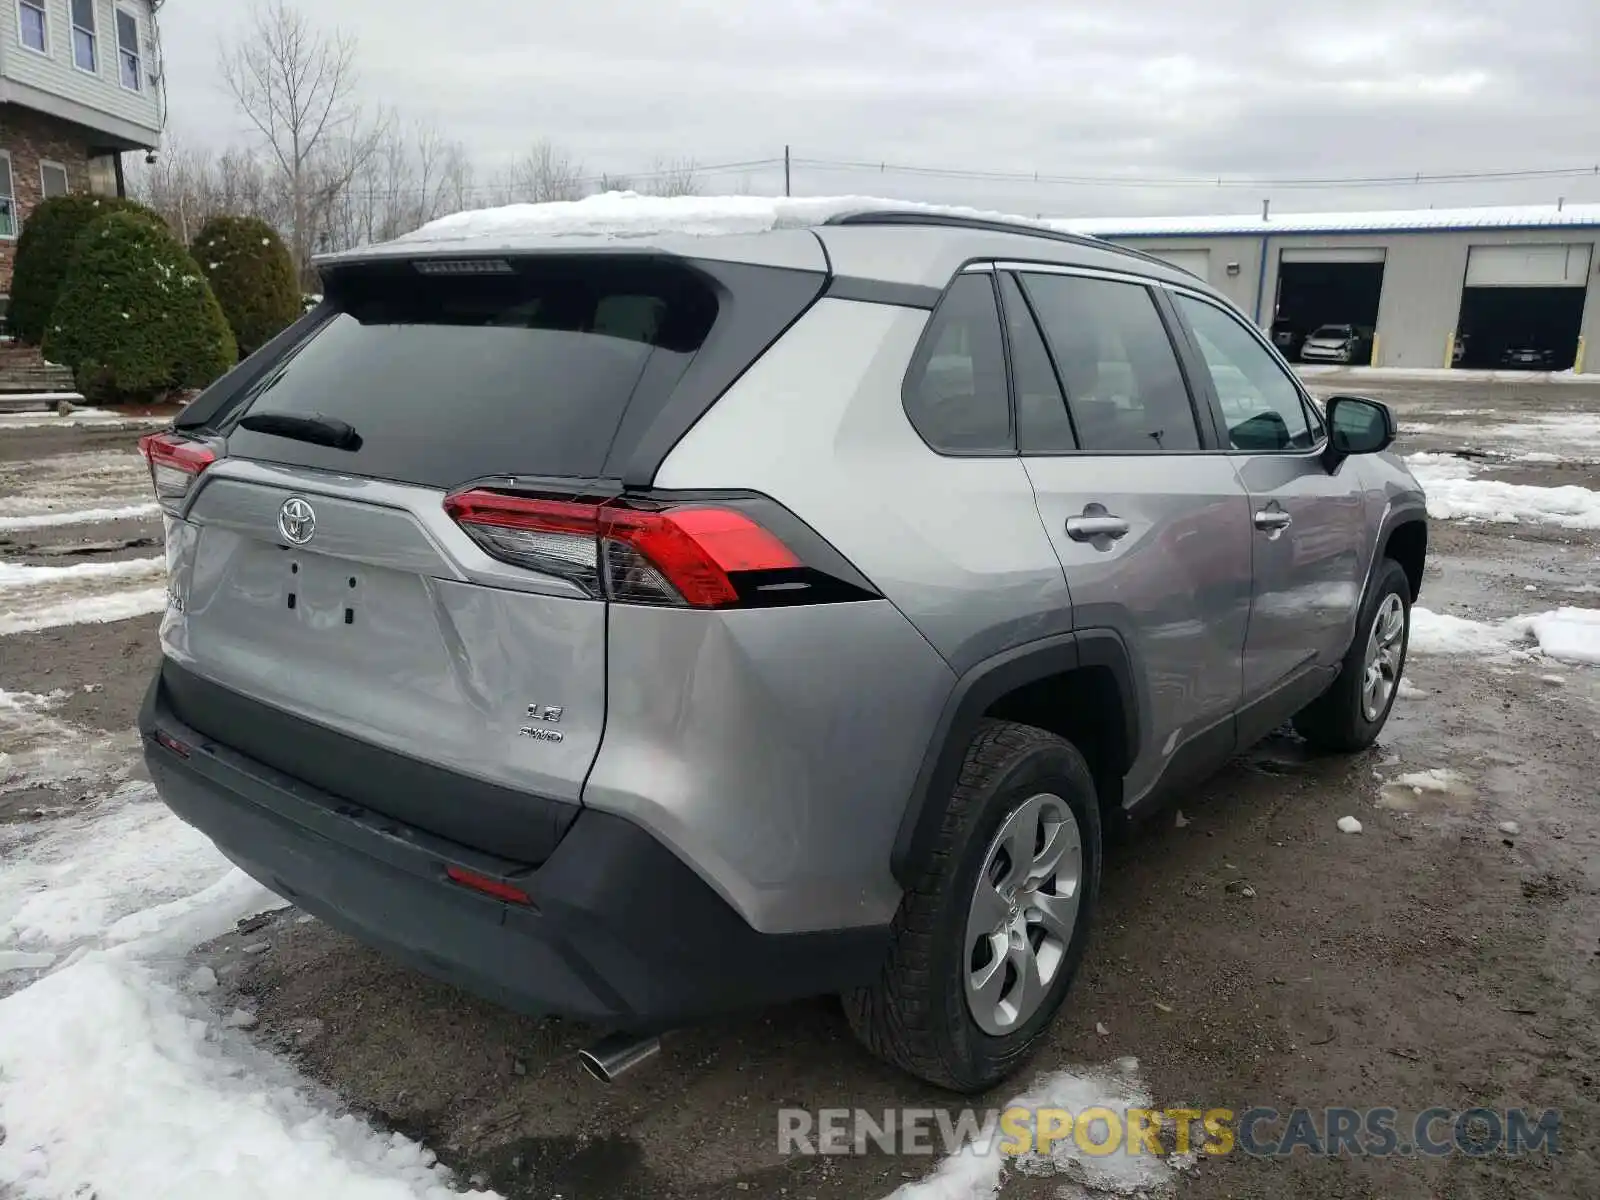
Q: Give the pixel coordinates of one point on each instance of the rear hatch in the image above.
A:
(352, 606)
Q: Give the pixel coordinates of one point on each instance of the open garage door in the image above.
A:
(1196, 262)
(1522, 306)
(1330, 286)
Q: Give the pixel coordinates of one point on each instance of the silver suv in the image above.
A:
(638, 629)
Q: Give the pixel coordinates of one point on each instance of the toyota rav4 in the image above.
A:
(634, 629)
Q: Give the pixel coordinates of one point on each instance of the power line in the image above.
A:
(1413, 179)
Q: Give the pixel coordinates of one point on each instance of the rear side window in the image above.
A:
(446, 379)
(955, 392)
(1110, 345)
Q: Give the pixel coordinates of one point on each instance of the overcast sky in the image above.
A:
(1149, 89)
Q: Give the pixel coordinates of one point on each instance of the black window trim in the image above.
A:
(1031, 315)
(924, 342)
(1314, 414)
(1205, 418)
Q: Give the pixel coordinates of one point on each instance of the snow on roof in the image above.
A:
(628, 214)
(1522, 216)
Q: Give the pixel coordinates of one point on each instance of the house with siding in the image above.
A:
(80, 85)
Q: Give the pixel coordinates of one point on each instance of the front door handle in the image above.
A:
(1100, 525)
(1273, 519)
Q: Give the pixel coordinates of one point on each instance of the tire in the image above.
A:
(1338, 720)
(1018, 781)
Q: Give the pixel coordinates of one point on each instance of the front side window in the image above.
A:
(1261, 406)
(8, 206)
(955, 393)
(53, 180)
(1116, 362)
(85, 52)
(128, 51)
(30, 18)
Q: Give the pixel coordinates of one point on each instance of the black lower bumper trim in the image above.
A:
(620, 930)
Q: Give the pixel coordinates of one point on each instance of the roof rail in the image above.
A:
(896, 216)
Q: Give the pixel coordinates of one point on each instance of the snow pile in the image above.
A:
(1567, 634)
(1441, 633)
(115, 1080)
(72, 489)
(628, 214)
(34, 598)
(1453, 492)
(974, 1172)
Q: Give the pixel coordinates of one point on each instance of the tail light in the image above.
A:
(701, 555)
(175, 463)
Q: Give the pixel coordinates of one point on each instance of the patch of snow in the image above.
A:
(1438, 779)
(1410, 691)
(974, 1172)
(1558, 680)
(87, 516)
(1349, 825)
(1441, 633)
(1569, 634)
(15, 576)
(25, 960)
(1568, 506)
(1510, 827)
(120, 1082)
(89, 610)
(1454, 491)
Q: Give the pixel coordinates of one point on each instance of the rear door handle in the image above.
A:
(1088, 528)
(1273, 518)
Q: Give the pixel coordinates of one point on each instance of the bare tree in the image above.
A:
(296, 84)
(544, 173)
(614, 183)
(676, 178)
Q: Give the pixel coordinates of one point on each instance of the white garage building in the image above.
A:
(1468, 287)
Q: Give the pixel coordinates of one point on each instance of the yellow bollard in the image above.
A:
(1377, 339)
(1450, 349)
(1577, 363)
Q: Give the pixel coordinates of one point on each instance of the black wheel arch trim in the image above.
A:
(974, 693)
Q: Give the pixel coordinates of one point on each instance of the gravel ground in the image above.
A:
(1249, 954)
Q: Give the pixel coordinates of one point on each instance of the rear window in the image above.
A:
(451, 378)
(1332, 331)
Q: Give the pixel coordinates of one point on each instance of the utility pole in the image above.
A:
(786, 170)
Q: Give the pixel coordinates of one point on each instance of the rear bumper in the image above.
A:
(619, 931)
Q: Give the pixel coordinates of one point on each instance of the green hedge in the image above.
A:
(44, 256)
(252, 275)
(136, 317)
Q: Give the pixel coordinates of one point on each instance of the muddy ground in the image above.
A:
(1431, 960)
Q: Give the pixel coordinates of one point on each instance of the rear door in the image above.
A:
(1308, 525)
(318, 573)
(1151, 528)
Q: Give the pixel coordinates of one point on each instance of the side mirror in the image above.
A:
(1357, 425)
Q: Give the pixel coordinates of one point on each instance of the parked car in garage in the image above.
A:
(1288, 338)
(1523, 355)
(1339, 344)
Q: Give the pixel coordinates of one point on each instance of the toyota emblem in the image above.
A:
(297, 521)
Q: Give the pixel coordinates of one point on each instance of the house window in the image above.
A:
(85, 52)
(128, 51)
(8, 204)
(30, 20)
(53, 179)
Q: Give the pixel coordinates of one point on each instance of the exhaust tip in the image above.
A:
(612, 1057)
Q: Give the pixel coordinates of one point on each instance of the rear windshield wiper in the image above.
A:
(315, 428)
